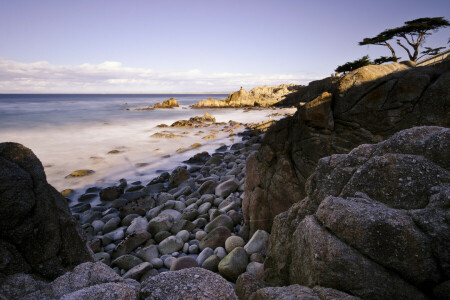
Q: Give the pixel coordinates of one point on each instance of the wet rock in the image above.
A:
(111, 193)
(80, 173)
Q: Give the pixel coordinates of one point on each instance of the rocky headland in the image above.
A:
(257, 97)
(169, 103)
(347, 199)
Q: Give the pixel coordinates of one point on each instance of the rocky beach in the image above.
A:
(346, 199)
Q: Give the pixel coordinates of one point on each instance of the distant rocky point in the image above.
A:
(169, 103)
(257, 97)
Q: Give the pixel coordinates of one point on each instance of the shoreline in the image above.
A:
(178, 211)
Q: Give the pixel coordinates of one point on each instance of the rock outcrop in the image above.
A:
(169, 103)
(87, 281)
(367, 106)
(374, 223)
(37, 231)
(191, 283)
(260, 96)
(307, 93)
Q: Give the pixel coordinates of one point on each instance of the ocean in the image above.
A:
(72, 132)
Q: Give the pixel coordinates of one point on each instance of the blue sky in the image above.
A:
(190, 46)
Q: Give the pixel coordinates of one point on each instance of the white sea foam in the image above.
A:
(67, 146)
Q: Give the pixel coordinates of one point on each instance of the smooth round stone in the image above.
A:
(193, 249)
(103, 257)
(170, 245)
(175, 254)
(194, 242)
(162, 235)
(183, 263)
(126, 261)
(199, 235)
(203, 209)
(211, 263)
(128, 219)
(184, 235)
(109, 247)
(186, 248)
(111, 225)
(234, 242)
(220, 252)
(165, 256)
(169, 261)
(98, 225)
(157, 263)
(254, 267)
(207, 252)
(234, 264)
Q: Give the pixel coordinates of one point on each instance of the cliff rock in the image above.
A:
(37, 231)
(374, 222)
(367, 106)
(260, 96)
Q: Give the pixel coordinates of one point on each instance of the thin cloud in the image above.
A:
(113, 77)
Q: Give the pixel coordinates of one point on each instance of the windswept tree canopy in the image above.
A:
(353, 65)
(413, 33)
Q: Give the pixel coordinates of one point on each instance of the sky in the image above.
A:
(145, 46)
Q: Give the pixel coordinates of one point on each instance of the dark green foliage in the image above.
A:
(413, 32)
(385, 59)
(431, 51)
(353, 65)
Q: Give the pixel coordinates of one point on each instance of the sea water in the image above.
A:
(72, 132)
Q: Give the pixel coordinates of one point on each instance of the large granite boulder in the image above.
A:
(366, 106)
(260, 96)
(374, 223)
(186, 284)
(86, 281)
(37, 231)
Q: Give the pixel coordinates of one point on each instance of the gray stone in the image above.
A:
(193, 249)
(199, 235)
(111, 225)
(184, 235)
(160, 223)
(160, 236)
(98, 226)
(254, 267)
(137, 271)
(211, 263)
(226, 188)
(258, 243)
(148, 253)
(128, 219)
(170, 245)
(169, 261)
(222, 220)
(207, 252)
(183, 263)
(234, 264)
(157, 263)
(137, 224)
(234, 242)
(203, 209)
(130, 243)
(126, 261)
(220, 252)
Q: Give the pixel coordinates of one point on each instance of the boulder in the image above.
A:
(381, 208)
(299, 292)
(247, 284)
(86, 281)
(365, 106)
(169, 103)
(38, 233)
(234, 264)
(187, 284)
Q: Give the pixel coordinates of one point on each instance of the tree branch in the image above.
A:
(406, 49)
